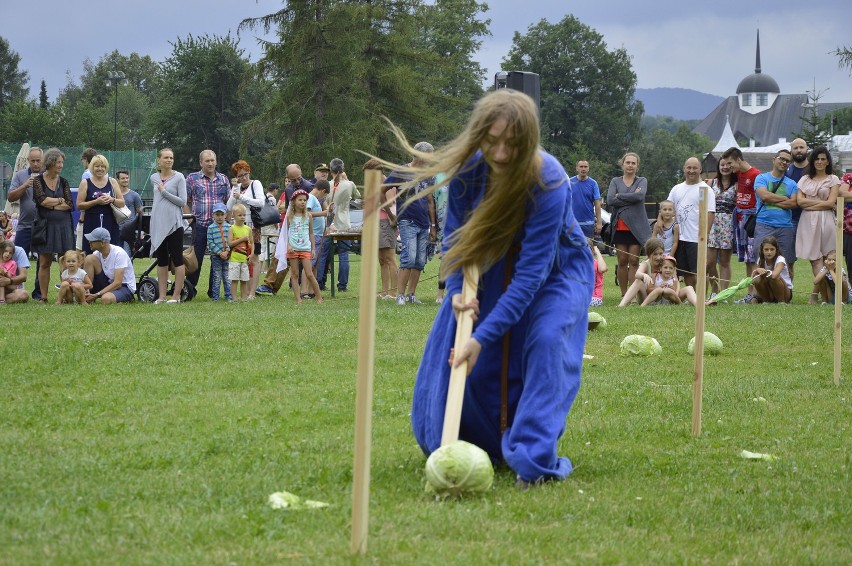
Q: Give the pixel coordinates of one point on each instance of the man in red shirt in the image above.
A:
(745, 207)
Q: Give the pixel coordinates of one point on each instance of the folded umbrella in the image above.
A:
(730, 291)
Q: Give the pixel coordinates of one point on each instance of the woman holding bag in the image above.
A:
(250, 193)
(52, 196)
(95, 196)
(167, 224)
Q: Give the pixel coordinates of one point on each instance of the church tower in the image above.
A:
(757, 92)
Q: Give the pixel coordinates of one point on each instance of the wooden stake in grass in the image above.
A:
(458, 375)
(366, 355)
(701, 283)
(838, 290)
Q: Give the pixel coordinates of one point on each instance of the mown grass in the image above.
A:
(143, 434)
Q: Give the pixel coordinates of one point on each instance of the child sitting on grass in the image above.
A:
(827, 277)
(75, 282)
(8, 267)
(645, 272)
(665, 287)
(7, 226)
(240, 241)
(666, 228)
(600, 268)
(771, 278)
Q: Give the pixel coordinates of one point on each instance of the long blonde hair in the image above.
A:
(490, 229)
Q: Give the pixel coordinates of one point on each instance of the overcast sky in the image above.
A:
(706, 46)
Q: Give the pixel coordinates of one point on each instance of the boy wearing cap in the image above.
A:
(109, 266)
(220, 253)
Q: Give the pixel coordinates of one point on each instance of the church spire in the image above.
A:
(757, 55)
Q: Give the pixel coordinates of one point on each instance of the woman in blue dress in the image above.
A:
(509, 212)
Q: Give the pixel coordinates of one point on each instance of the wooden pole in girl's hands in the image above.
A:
(458, 375)
(838, 289)
(366, 356)
(701, 284)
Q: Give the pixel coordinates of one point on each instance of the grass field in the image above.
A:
(153, 434)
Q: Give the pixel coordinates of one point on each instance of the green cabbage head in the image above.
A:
(595, 317)
(712, 344)
(638, 345)
(459, 469)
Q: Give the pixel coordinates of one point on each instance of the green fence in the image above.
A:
(140, 163)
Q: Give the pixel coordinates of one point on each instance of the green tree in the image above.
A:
(587, 91)
(199, 102)
(662, 155)
(815, 128)
(844, 56)
(842, 121)
(43, 102)
(23, 120)
(85, 124)
(140, 71)
(13, 80)
(649, 123)
(453, 32)
(348, 63)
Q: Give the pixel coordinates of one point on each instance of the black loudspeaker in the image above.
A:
(524, 81)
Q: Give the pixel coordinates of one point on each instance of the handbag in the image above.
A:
(751, 221)
(121, 213)
(39, 232)
(38, 236)
(190, 261)
(265, 215)
(750, 225)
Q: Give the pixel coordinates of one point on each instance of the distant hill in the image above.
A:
(679, 103)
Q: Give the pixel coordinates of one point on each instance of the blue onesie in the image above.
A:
(545, 309)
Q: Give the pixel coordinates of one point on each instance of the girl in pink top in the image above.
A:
(600, 268)
(8, 267)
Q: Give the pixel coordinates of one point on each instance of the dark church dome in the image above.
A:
(758, 82)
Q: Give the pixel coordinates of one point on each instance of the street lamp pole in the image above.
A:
(115, 77)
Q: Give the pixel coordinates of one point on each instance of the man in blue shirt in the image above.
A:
(776, 197)
(586, 200)
(418, 225)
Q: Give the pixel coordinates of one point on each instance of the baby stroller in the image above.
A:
(147, 288)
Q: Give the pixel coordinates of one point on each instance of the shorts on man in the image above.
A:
(122, 295)
(687, 258)
(786, 240)
(414, 243)
(238, 270)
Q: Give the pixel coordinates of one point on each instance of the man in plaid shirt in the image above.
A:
(204, 189)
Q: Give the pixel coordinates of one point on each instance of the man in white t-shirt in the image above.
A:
(686, 198)
(110, 268)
